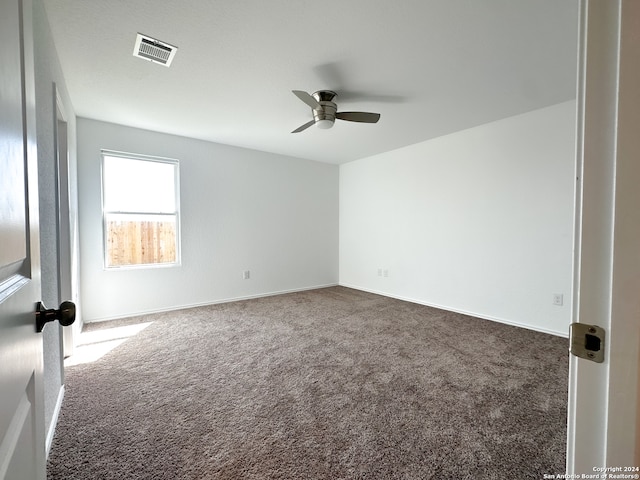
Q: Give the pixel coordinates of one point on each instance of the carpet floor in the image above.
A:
(332, 383)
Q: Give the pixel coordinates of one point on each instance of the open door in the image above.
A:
(22, 445)
(604, 401)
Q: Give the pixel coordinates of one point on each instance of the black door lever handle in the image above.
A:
(66, 315)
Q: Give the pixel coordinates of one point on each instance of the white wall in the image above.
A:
(240, 210)
(479, 221)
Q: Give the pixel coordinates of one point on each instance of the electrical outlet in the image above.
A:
(385, 273)
(246, 275)
(379, 272)
(558, 299)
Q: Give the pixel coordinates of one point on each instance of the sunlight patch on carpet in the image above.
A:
(95, 344)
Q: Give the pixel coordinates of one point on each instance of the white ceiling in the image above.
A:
(430, 67)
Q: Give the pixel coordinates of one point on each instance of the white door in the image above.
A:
(21, 402)
(604, 398)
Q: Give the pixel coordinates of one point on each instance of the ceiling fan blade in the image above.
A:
(308, 99)
(364, 117)
(304, 127)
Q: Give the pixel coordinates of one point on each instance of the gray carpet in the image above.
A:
(326, 384)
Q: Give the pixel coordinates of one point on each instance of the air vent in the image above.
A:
(154, 50)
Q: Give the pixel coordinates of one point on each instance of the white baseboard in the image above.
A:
(54, 421)
(464, 312)
(204, 304)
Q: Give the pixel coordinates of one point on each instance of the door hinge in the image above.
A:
(587, 341)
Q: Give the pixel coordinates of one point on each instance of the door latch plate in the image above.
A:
(587, 341)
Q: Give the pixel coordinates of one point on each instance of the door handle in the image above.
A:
(66, 315)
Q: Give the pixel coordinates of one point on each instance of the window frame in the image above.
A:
(176, 179)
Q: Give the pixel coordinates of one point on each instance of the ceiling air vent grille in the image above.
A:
(154, 50)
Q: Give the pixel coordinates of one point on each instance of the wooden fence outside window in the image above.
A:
(140, 242)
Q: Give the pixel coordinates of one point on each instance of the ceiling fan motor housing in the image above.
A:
(325, 117)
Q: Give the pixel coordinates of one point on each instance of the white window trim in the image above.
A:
(148, 158)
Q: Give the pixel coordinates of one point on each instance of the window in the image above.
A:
(140, 202)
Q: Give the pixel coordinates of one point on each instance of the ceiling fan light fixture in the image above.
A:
(324, 124)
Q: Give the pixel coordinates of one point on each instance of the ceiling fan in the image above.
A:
(325, 110)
